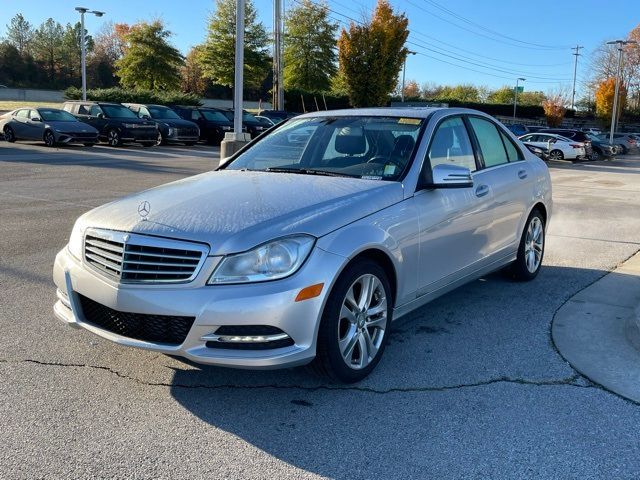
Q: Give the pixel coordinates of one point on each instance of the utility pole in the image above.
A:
(278, 83)
(83, 47)
(575, 71)
(515, 97)
(404, 69)
(620, 44)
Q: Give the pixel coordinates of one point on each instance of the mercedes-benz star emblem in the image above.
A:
(144, 209)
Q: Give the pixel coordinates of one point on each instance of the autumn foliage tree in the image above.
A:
(605, 94)
(554, 109)
(371, 55)
(412, 89)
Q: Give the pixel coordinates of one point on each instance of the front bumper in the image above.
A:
(68, 137)
(268, 303)
(143, 134)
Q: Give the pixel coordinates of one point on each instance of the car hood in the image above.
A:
(75, 127)
(234, 211)
(174, 122)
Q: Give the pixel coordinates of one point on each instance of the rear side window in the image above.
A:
(513, 152)
(451, 145)
(491, 146)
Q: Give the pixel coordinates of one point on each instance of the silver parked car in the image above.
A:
(307, 244)
(51, 125)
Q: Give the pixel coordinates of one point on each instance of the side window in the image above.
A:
(24, 113)
(513, 153)
(143, 111)
(195, 115)
(451, 145)
(491, 145)
(68, 107)
(95, 110)
(83, 110)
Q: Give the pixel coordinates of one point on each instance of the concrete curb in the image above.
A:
(598, 330)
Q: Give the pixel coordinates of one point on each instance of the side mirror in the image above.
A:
(36, 119)
(450, 176)
(146, 117)
(100, 115)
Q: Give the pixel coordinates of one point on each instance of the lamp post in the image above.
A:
(515, 96)
(404, 69)
(83, 46)
(614, 113)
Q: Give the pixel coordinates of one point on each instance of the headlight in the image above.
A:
(270, 261)
(75, 240)
(171, 132)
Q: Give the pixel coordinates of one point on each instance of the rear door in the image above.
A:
(455, 223)
(20, 124)
(510, 178)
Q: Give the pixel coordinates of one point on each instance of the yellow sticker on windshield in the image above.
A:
(410, 121)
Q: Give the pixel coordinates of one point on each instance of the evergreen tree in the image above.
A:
(20, 34)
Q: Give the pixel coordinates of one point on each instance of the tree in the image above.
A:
(47, 43)
(192, 80)
(217, 57)
(150, 62)
(20, 34)
(605, 94)
(554, 108)
(502, 95)
(309, 56)
(71, 51)
(108, 48)
(371, 55)
(411, 89)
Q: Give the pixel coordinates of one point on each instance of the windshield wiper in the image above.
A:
(306, 171)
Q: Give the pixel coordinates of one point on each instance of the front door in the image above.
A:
(455, 223)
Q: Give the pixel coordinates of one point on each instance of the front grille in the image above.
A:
(187, 132)
(167, 329)
(132, 258)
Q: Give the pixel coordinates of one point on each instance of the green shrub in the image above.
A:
(120, 95)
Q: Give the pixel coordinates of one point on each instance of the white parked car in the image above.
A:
(559, 147)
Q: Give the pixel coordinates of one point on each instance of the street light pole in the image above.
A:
(515, 96)
(83, 47)
(238, 83)
(404, 69)
(614, 113)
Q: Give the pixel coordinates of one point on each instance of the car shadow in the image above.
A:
(375, 428)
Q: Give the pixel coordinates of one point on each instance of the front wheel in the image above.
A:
(161, 140)
(49, 139)
(9, 136)
(531, 249)
(355, 324)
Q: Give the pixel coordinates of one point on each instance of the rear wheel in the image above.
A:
(531, 249)
(355, 324)
(49, 139)
(595, 154)
(9, 136)
(556, 155)
(113, 138)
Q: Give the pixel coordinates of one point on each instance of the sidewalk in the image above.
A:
(598, 330)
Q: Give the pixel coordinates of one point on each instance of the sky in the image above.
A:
(482, 42)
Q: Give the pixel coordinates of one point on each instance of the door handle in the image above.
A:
(482, 190)
(522, 174)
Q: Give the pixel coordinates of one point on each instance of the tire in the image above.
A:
(344, 334)
(113, 138)
(9, 134)
(524, 268)
(595, 154)
(49, 139)
(149, 144)
(556, 155)
(161, 140)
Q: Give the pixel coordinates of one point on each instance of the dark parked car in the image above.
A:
(116, 124)
(171, 128)
(518, 129)
(51, 125)
(252, 125)
(575, 135)
(213, 124)
(277, 116)
(601, 148)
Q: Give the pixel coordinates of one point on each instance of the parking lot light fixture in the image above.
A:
(614, 113)
(515, 96)
(404, 69)
(83, 46)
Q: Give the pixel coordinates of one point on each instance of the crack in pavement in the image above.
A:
(568, 381)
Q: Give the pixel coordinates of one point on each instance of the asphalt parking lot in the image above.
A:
(470, 386)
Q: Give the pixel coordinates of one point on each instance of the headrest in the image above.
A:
(351, 144)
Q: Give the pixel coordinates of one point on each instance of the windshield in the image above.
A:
(54, 115)
(117, 111)
(163, 113)
(214, 115)
(377, 148)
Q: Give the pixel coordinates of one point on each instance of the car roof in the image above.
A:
(95, 102)
(414, 112)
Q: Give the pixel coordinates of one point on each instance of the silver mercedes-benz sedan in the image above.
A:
(306, 244)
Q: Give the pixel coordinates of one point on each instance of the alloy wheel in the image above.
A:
(159, 141)
(533, 244)
(556, 155)
(113, 138)
(49, 139)
(9, 135)
(363, 320)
